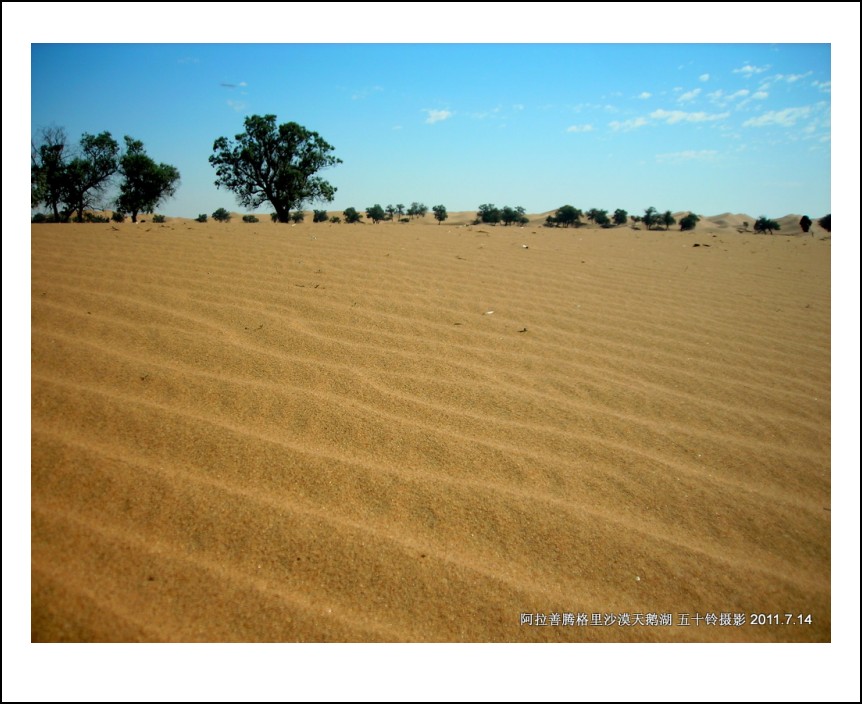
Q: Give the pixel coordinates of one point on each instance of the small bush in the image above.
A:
(298, 216)
(320, 216)
(826, 223)
(335, 219)
(201, 218)
(158, 218)
(249, 218)
(118, 216)
(352, 216)
(92, 217)
(221, 215)
(404, 220)
(39, 218)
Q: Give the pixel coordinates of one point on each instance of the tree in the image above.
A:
(375, 213)
(145, 183)
(48, 170)
(764, 224)
(489, 213)
(591, 214)
(417, 210)
(667, 219)
(688, 222)
(508, 215)
(600, 217)
(201, 218)
(399, 209)
(274, 163)
(621, 217)
(390, 211)
(351, 215)
(87, 175)
(221, 215)
(440, 213)
(805, 223)
(826, 223)
(568, 215)
(296, 217)
(522, 218)
(650, 217)
(320, 216)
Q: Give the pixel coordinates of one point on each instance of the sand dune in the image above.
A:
(413, 432)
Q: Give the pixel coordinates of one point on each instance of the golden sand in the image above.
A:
(259, 432)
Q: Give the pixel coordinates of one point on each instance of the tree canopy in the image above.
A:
(145, 183)
(73, 183)
(805, 223)
(764, 224)
(440, 213)
(650, 217)
(689, 222)
(826, 222)
(274, 163)
(376, 213)
(567, 215)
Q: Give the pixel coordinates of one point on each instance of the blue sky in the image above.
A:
(703, 127)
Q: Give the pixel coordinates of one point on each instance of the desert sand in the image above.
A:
(422, 432)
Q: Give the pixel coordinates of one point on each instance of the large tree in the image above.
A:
(145, 183)
(88, 174)
(274, 163)
(568, 215)
(440, 213)
(73, 182)
(650, 217)
(48, 170)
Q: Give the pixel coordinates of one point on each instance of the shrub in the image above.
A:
(376, 213)
(249, 218)
(764, 224)
(92, 217)
(221, 215)
(39, 218)
(298, 216)
(826, 223)
(320, 216)
(688, 222)
(352, 216)
(118, 216)
(201, 218)
(335, 219)
(158, 218)
(273, 217)
(404, 220)
(805, 223)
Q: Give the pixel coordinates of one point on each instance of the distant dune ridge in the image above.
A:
(422, 432)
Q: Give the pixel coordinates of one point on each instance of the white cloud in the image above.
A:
(760, 95)
(792, 77)
(783, 118)
(580, 128)
(672, 117)
(704, 77)
(825, 86)
(645, 95)
(690, 95)
(236, 105)
(627, 125)
(748, 70)
(242, 84)
(518, 106)
(437, 115)
(688, 155)
(739, 94)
